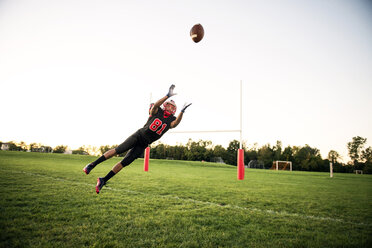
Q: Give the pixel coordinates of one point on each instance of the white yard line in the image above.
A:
(282, 213)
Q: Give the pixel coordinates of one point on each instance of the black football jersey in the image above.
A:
(156, 126)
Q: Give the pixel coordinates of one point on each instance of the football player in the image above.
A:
(158, 123)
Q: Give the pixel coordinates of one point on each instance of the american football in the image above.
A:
(197, 33)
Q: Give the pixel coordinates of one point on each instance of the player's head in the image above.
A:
(170, 107)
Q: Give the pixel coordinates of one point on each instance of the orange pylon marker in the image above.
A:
(147, 158)
(240, 164)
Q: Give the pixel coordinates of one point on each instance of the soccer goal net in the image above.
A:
(282, 165)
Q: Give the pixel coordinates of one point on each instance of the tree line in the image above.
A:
(303, 158)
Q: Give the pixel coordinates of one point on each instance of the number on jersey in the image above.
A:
(156, 124)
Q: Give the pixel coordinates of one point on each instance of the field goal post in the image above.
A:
(240, 163)
(281, 165)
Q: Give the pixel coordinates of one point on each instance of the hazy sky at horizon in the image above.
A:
(82, 72)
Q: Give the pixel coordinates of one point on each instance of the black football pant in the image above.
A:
(135, 144)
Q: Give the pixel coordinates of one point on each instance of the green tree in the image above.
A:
(23, 146)
(159, 151)
(92, 150)
(231, 156)
(104, 149)
(308, 158)
(287, 154)
(250, 154)
(367, 157)
(60, 149)
(81, 150)
(367, 154)
(355, 148)
(14, 147)
(219, 151)
(177, 152)
(333, 156)
(33, 146)
(196, 150)
(180, 151)
(266, 154)
(277, 149)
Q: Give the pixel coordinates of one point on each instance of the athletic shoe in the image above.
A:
(100, 183)
(88, 168)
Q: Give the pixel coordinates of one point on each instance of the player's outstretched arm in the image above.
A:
(179, 117)
(157, 104)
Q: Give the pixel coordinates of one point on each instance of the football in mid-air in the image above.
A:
(197, 33)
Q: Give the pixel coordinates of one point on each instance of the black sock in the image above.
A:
(99, 160)
(109, 175)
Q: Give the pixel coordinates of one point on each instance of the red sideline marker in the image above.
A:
(240, 164)
(147, 157)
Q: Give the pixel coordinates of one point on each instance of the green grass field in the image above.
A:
(47, 201)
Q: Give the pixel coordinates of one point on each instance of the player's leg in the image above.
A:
(107, 155)
(110, 153)
(123, 147)
(132, 154)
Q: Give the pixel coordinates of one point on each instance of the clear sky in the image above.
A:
(81, 72)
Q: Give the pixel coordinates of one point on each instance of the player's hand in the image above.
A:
(185, 107)
(170, 92)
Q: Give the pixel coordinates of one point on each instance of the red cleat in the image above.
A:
(100, 183)
(88, 168)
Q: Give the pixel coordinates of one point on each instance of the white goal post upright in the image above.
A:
(240, 162)
(146, 157)
(241, 115)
